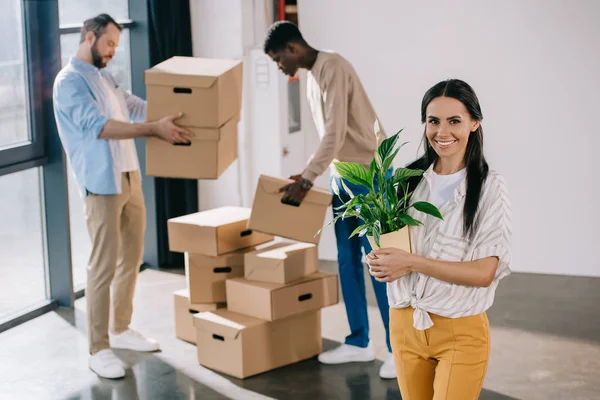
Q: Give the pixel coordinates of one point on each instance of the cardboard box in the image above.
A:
(207, 91)
(270, 215)
(207, 156)
(283, 262)
(184, 315)
(206, 275)
(214, 232)
(273, 301)
(242, 346)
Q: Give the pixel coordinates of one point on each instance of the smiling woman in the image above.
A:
(439, 293)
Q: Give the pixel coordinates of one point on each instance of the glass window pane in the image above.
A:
(14, 129)
(22, 254)
(81, 247)
(77, 11)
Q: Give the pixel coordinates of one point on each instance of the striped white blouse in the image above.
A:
(443, 240)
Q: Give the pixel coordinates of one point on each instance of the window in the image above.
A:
(15, 136)
(22, 251)
(13, 101)
(22, 265)
(72, 13)
(76, 11)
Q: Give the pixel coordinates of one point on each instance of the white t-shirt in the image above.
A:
(442, 190)
(123, 151)
(443, 186)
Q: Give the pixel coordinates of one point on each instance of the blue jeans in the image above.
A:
(351, 270)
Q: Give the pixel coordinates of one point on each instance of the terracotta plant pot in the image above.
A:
(398, 240)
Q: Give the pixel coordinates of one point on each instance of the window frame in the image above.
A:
(18, 157)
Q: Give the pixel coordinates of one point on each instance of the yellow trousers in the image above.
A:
(445, 362)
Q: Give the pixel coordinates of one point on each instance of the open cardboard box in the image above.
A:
(283, 262)
(270, 215)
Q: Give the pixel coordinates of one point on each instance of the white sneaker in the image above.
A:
(388, 369)
(133, 340)
(347, 353)
(106, 365)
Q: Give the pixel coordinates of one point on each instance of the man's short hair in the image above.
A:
(280, 34)
(98, 25)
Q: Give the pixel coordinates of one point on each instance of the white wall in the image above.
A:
(228, 29)
(534, 65)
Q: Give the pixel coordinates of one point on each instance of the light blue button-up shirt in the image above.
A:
(85, 98)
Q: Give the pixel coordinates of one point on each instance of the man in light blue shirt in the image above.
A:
(97, 124)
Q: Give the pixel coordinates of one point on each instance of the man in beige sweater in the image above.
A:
(344, 118)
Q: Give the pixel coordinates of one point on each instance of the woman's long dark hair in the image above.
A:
(477, 166)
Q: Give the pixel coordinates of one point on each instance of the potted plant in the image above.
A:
(384, 209)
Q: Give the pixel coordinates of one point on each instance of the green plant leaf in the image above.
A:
(378, 161)
(408, 220)
(392, 197)
(387, 162)
(349, 213)
(402, 174)
(353, 206)
(347, 189)
(354, 173)
(377, 233)
(335, 188)
(428, 208)
(385, 148)
(403, 206)
(372, 171)
(354, 201)
(333, 221)
(367, 215)
(360, 231)
(371, 198)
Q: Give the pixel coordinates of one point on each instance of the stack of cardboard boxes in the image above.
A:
(252, 303)
(273, 316)
(209, 94)
(214, 243)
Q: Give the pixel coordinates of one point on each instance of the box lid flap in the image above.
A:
(225, 323)
(215, 217)
(283, 250)
(277, 286)
(188, 71)
(272, 185)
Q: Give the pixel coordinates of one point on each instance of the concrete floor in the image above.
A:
(545, 330)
